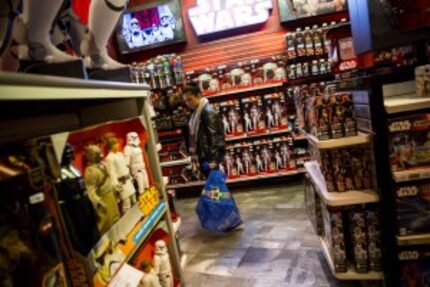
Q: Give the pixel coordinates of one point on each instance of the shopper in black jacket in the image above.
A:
(206, 133)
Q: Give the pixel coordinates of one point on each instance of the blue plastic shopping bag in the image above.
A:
(216, 208)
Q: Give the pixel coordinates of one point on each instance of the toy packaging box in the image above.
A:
(336, 113)
(248, 159)
(276, 114)
(338, 172)
(409, 141)
(208, 81)
(229, 164)
(238, 161)
(312, 206)
(415, 266)
(413, 208)
(253, 115)
(348, 117)
(290, 38)
(327, 171)
(224, 78)
(256, 72)
(358, 231)
(318, 117)
(334, 235)
(373, 237)
(264, 158)
(240, 75)
(231, 116)
(346, 169)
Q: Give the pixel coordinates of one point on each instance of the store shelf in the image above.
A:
(406, 103)
(421, 239)
(184, 161)
(360, 138)
(176, 224)
(411, 174)
(241, 179)
(266, 134)
(337, 198)
(312, 79)
(37, 87)
(245, 90)
(351, 274)
(146, 228)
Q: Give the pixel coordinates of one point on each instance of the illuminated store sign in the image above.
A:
(210, 16)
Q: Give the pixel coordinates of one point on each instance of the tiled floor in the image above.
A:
(276, 247)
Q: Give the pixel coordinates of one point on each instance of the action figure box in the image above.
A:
(348, 118)
(358, 231)
(412, 206)
(318, 117)
(327, 170)
(290, 39)
(229, 164)
(334, 236)
(313, 206)
(282, 160)
(208, 81)
(223, 75)
(361, 163)
(335, 110)
(415, 266)
(268, 70)
(238, 161)
(338, 172)
(409, 141)
(373, 237)
(180, 116)
(276, 114)
(248, 159)
(231, 116)
(264, 158)
(240, 75)
(347, 170)
(253, 119)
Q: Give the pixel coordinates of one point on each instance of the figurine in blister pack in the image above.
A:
(101, 189)
(269, 70)
(162, 266)
(228, 163)
(204, 81)
(247, 122)
(309, 43)
(265, 154)
(270, 118)
(236, 75)
(246, 79)
(247, 160)
(120, 174)
(291, 45)
(278, 161)
(317, 38)
(213, 85)
(300, 43)
(233, 120)
(285, 153)
(292, 72)
(239, 165)
(299, 70)
(259, 163)
(226, 125)
(134, 158)
(277, 113)
(280, 74)
(255, 116)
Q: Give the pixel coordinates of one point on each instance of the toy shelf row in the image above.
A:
(351, 274)
(402, 97)
(337, 198)
(360, 138)
(241, 179)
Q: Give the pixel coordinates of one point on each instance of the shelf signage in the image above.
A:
(210, 16)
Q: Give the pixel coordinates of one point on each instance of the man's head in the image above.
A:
(191, 96)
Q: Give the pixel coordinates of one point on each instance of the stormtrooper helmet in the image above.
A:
(165, 15)
(133, 139)
(160, 247)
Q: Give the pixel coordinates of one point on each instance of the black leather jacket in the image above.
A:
(210, 138)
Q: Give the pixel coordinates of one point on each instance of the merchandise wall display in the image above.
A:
(293, 10)
(91, 197)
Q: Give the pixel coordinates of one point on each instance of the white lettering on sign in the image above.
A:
(409, 255)
(210, 16)
(407, 191)
(400, 126)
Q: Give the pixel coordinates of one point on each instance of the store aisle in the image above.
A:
(276, 247)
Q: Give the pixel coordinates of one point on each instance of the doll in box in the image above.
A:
(162, 266)
(101, 189)
(255, 117)
(247, 160)
(278, 161)
(134, 158)
(247, 122)
(259, 163)
(236, 75)
(228, 163)
(239, 165)
(265, 155)
(225, 124)
(120, 174)
(285, 154)
(270, 118)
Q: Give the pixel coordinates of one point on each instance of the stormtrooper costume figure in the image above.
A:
(247, 160)
(228, 163)
(137, 36)
(167, 21)
(285, 154)
(226, 125)
(255, 117)
(120, 174)
(266, 158)
(276, 113)
(270, 118)
(162, 265)
(278, 160)
(239, 165)
(259, 163)
(248, 124)
(31, 32)
(134, 158)
(232, 116)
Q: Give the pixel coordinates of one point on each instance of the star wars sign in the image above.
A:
(210, 16)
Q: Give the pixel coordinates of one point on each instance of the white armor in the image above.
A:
(162, 264)
(134, 158)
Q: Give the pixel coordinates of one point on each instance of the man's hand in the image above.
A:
(213, 165)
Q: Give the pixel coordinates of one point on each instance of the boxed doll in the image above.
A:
(240, 75)
(275, 112)
(318, 117)
(231, 116)
(335, 112)
(358, 230)
(413, 207)
(373, 237)
(348, 117)
(334, 236)
(409, 141)
(253, 119)
(224, 78)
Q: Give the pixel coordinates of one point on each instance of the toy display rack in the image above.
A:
(360, 138)
(78, 104)
(351, 273)
(337, 198)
